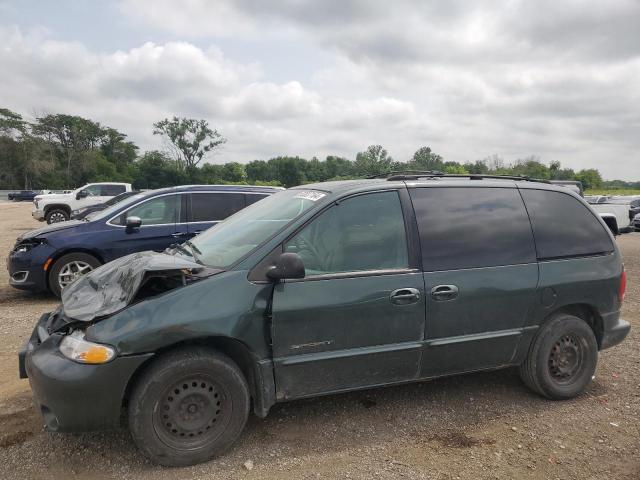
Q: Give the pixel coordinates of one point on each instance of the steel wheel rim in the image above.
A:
(57, 217)
(71, 271)
(566, 359)
(192, 413)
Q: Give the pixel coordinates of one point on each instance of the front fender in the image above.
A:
(224, 305)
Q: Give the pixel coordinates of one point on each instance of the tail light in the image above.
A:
(623, 285)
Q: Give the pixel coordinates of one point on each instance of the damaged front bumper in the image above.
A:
(71, 396)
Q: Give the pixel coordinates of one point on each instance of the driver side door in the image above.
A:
(357, 318)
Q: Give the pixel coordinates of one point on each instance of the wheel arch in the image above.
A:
(259, 377)
(586, 312)
(60, 206)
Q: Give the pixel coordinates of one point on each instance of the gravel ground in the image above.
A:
(481, 426)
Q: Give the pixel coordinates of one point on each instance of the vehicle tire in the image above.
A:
(188, 406)
(56, 215)
(562, 358)
(68, 268)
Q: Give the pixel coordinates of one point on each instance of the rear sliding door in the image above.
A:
(480, 275)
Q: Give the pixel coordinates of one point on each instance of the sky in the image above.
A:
(559, 80)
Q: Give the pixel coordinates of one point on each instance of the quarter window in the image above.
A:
(472, 227)
(365, 232)
(209, 207)
(563, 226)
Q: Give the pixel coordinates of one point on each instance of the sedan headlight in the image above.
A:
(26, 245)
(76, 348)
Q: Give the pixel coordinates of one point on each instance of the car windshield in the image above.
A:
(224, 244)
(107, 212)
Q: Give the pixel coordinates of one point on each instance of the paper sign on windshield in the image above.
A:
(312, 195)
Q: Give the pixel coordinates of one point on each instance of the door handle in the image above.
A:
(179, 234)
(442, 293)
(405, 296)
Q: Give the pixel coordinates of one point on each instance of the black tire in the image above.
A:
(188, 406)
(65, 260)
(562, 358)
(56, 215)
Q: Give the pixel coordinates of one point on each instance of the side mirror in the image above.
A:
(133, 223)
(82, 194)
(288, 265)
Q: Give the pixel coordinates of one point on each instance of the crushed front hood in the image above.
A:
(113, 286)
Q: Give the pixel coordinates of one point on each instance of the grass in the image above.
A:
(613, 191)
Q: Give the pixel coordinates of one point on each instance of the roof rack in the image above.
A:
(415, 175)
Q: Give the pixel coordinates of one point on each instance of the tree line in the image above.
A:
(57, 151)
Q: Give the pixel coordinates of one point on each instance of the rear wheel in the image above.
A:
(68, 269)
(188, 406)
(562, 358)
(56, 215)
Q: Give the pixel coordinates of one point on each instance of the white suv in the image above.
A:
(56, 208)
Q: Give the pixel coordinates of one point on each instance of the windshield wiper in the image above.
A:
(180, 248)
(193, 251)
(193, 247)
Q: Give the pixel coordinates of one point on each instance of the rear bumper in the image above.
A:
(615, 331)
(74, 397)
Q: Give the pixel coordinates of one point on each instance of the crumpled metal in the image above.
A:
(111, 287)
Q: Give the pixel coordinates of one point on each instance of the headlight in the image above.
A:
(76, 348)
(27, 245)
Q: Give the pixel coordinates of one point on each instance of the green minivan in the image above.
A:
(328, 288)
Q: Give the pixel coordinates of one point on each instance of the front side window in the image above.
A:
(361, 233)
(563, 226)
(93, 190)
(209, 207)
(157, 211)
(472, 227)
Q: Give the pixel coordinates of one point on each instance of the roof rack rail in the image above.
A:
(414, 175)
(406, 172)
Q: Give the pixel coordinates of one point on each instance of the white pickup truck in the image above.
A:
(615, 215)
(57, 207)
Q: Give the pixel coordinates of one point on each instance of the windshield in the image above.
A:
(226, 243)
(107, 212)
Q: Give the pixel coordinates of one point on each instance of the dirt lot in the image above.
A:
(476, 426)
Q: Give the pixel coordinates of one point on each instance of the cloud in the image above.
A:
(560, 80)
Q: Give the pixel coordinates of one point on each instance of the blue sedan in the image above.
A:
(52, 257)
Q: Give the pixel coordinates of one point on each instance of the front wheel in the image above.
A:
(188, 406)
(56, 215)
(68, 268)
(562, 358)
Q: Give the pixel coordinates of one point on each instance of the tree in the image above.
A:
(373, 161)
(425, 159)
(590, 178)
(191, 139)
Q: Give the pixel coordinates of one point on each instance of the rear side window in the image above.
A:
(563, 226)
(209, 207)
(253, 198)
(472, 227)
(112, 190)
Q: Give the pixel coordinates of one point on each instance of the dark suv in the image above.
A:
(327, 288)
